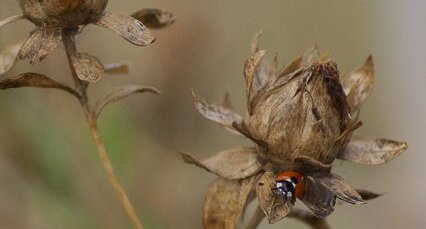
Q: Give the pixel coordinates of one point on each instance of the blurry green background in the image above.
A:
(50, 176)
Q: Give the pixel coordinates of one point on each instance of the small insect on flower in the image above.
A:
(289, 185)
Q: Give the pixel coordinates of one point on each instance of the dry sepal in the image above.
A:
(224, 203)
(301, 119)
(119, 93)
(87, 67)
(34, 80)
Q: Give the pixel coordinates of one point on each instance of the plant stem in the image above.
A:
(70, 47)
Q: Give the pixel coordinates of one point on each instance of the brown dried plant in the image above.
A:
(60, 21)
(301, 118)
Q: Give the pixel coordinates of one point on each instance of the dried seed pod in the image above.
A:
(303, 113)
(62, 13)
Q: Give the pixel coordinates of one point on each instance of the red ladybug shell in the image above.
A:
(300, 186)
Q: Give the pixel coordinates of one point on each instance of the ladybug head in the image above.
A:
(289, 185)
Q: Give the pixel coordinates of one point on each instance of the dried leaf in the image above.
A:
(155, 18)
(372, 151)
(308, 165)
(34, 80)
(216, 113)
(119, 93)
(226, 101)
(250, 68)
(318, 199)
(236, 163)
(358, 85)
(225, 202)
(87, 67)
(117, 68)
(40, 43)
(8, 57)
(275, 208)
(129, 28)
(368, 195)
(341, 188)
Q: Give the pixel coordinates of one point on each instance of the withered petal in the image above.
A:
(214, 112)
(119, 93)
(264, 71)
(304, 60)
(225, 201)
(235, 163)
(250, 68)
(34, 80)
(358, 85)
(155, 18)
(40, 44)
(275, 208)
(117, 68)
(308, 165)
(127, 27)
(318, 199)
(340, 187)
(8, 57)
(372, 151)
(87, 67)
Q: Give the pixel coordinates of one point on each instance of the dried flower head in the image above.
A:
(54, 18)
(301, 118)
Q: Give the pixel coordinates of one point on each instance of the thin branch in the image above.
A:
(308, 218)
(11, 19)
(70, 48)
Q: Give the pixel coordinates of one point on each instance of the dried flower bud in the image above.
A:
(63, 13)
(303, 113)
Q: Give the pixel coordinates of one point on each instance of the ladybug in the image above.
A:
(289, 185)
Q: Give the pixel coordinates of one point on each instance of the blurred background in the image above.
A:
(50, 175)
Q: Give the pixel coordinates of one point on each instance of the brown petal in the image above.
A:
(129, 28)
(263, 71)
(304, 60)
(40, 43)
(368, 195)
(235, 163)
(341, 188)
(275, 208)
(119, 93)
(155, 18)
(34, 80)
(318, 199)
(117, 68)
(250, 68)
(358, 85)
(8, 57)
(87, 67)
(308, 165)
(216, 113)
(372, 151)
(225, 202)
